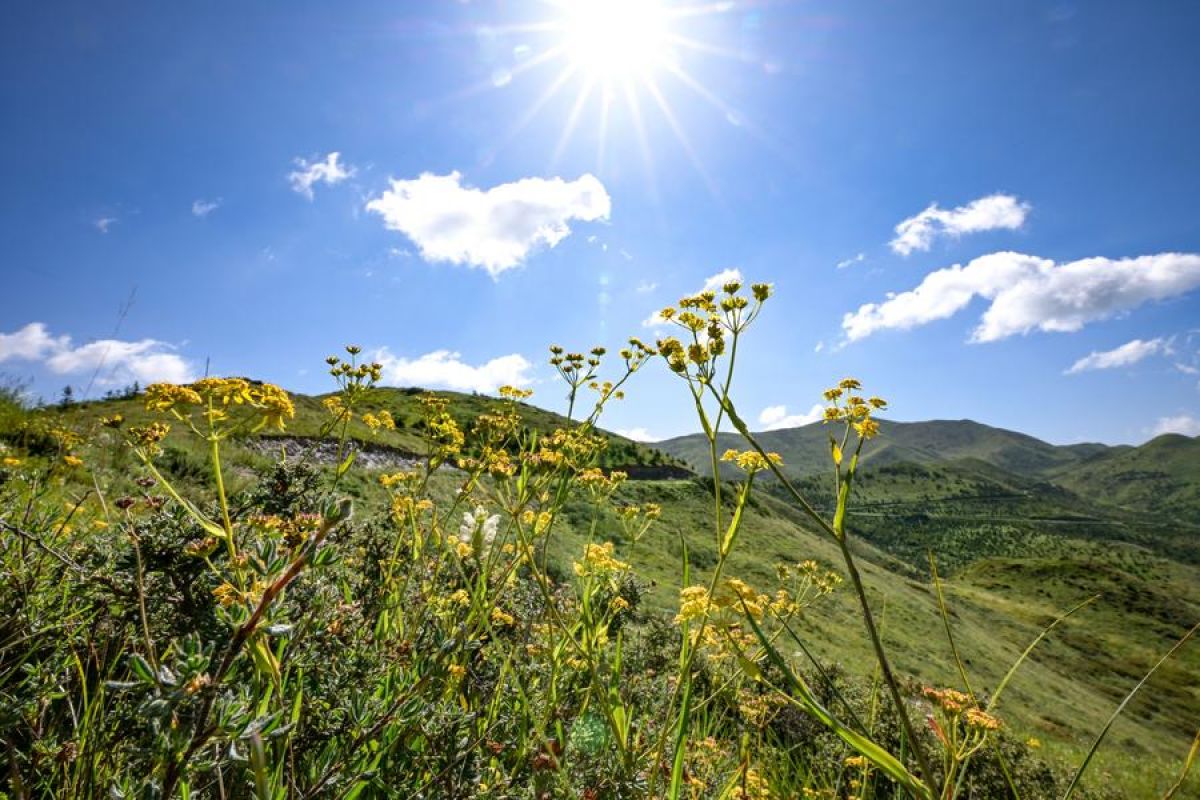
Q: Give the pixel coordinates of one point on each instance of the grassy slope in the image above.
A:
(1005, 587)
(403, 404)
(1062, 696)
(1162, 474)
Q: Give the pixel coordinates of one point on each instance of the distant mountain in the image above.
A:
(1160, 476)
(805, 450)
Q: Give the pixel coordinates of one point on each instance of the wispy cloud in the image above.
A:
(850, 262)
(493, 229)
(446, 369)
(645, 287)
(1123, 356)
(993, 212)
(308, 174)
(773, 418)
(1185, 424)
(113, 360)
(1029, 293)
(202, 208)
(102, 224)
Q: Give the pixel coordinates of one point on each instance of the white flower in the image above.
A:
(479, 524)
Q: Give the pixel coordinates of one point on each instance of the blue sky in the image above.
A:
(173, 198)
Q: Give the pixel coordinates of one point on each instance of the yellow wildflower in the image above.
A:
(751, 461)
(598, 560)
(981, 720)
(513, 393)
(751, 786)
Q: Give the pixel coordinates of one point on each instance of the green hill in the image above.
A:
(805, 450)
(1161, 476)
(1023, 529)
(404, 442)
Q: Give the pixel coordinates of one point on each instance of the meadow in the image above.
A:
(223, 590)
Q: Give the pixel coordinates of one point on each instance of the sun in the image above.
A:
(610, 40)
(622, 61)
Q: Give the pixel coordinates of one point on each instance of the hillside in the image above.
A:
(1160, 476)
(805, 449)
(402, 443)
(1014, 525)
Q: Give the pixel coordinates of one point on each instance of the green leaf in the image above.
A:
(803, 697)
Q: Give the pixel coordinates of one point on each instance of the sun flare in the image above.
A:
(615, 39)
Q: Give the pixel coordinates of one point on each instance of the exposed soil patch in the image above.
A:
(325, 451)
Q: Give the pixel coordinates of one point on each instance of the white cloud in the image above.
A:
(1123, 356)
(493, 229)
(328, 172)
(443, 368)
(104, 223)
(773, 418)
(1184, 424)
(31, 343)
(849, 262)
(113, 360)
(202, 208)
(712, 283)
(1030, 293)
(646, 287)
(985, 214)
(636, 434)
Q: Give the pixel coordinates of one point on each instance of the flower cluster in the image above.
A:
(751, 461)
(598, 560)
(379, 420)
(706, 321)
(477, 532)
(446, 439)
(217, 398)
(853, 409)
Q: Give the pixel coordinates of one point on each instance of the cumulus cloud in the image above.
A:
(1123, 356)
(202, 208)
(1184, 424)
(31, 343)
(493, 229)
(985, 214)
(636, 434)
(1028, 293)
(307, 174)
(712, 283)
(114, 361)
(773, 418)
(446, 369)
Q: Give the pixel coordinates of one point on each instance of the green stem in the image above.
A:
(227, 523)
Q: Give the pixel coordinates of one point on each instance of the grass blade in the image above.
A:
(1104, 731)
